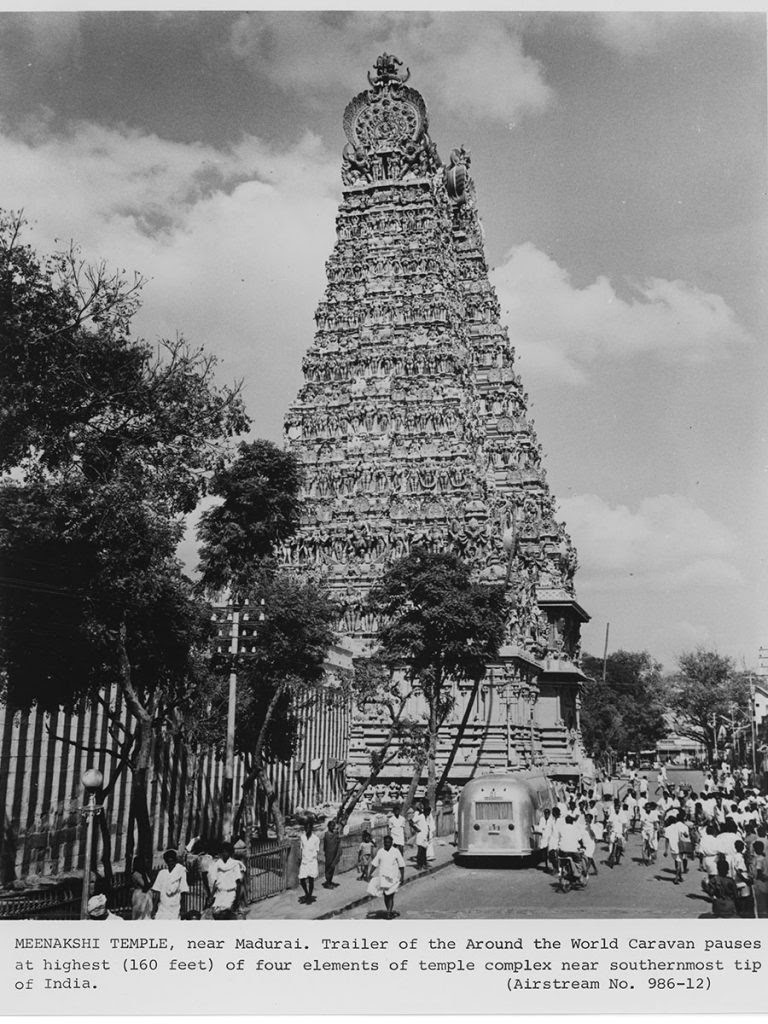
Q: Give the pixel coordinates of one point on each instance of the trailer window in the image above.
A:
(491, 811)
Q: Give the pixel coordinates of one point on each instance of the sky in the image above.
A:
(620, 166)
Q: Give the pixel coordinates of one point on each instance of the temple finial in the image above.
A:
(386, 71)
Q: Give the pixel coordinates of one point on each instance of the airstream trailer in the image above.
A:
(497, 814)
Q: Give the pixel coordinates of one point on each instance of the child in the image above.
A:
(364, 858)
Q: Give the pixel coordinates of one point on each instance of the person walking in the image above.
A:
(142, 903)
(721, 890)
(396, 825)
(758, 872)
(420, 828)
(170, 889)
(431, 836)
(738, 869)
(552, 838)
(331, 853)
(388, 875)
(226, 878)
(589, 842)
(308, 869)
(708, 850)
(364, 858)
(676, 835)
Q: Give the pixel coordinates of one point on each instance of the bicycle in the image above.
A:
(616, 850)
(569, 876)
(650, 848)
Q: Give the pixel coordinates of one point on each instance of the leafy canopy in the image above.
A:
(110, 441)
(260, 509)
(705, 692)
(435, 620)
(625, 714)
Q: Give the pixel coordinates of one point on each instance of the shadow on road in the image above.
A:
(494, 863)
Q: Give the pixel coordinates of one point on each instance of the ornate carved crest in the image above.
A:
(387, 127)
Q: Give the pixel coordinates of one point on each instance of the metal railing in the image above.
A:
(265, 875)
(265, 872)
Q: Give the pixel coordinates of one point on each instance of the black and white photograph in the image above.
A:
(383, 434)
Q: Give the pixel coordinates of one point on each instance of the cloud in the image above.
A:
(52, 39)
(668, 544)
(453, 56)
(643, 33)
(233, 241)
(561, 329)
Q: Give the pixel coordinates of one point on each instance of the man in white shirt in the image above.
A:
(676, 833)
(226, 880)
(570, 843)
(552, 836)
(649, 829)
(420, 827)
(388, 869)
(308, 868)
(396, 827)
(630, 802)
(169, 891)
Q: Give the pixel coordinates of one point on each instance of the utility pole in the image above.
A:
(605, 650)
(229, 766)
(714, 734)
(753, 724)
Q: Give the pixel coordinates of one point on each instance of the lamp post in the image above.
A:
(92, 780)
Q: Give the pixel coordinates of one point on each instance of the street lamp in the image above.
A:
(92, 780)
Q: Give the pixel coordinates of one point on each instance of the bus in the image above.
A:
(497, 814)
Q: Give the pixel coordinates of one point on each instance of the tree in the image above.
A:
(706, 692)
(378, 694)
(111, 441)
(260, 508)
(438, 628)
(285, 653)
(625, 714)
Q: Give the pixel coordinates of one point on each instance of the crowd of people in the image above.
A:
(724, 827)
(220, 868)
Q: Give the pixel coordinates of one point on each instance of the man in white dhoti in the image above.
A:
(388, 874)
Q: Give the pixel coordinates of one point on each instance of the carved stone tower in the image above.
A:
(412, 429)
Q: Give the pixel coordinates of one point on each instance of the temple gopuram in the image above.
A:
(412, 429)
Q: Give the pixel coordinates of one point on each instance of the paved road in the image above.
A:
(627, 891)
